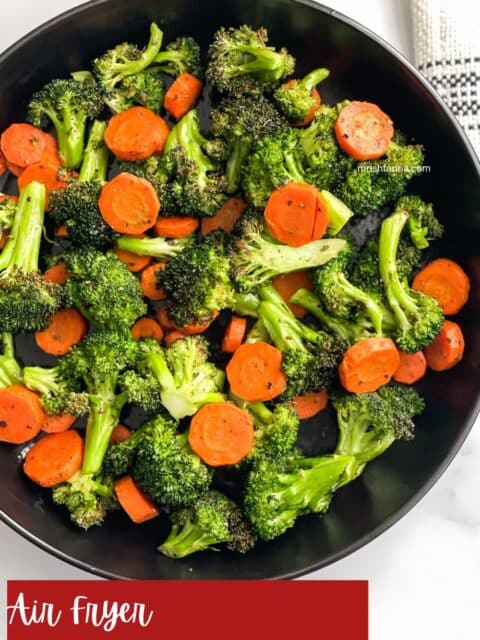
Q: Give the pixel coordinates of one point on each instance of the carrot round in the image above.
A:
(226, 217)
(221, 433)
(136, 134)
(21, 414)
(164, 321)
(57, 273)
(368, 365)
(149, 281)
(289, 283)
(3, 164)
(129, 204)
(61, 231)
(182, 95)
(234, 334)
(195, 329)
(50, 152)
(173, 336)
(7, 196)
(363, 130)
(310, 404)
(22, 144)
(67, 328)
(175, 227)
(133, 261)
(254, 372)
(45, 172)
(120, 433)
(3, 238)
(134, 502)
(14, 169)
(55, 458)
(58, 424)
(447, 349)
(447, 282)
(147, 328)
(413, 367)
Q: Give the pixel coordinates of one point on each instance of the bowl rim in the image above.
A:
(468, 422)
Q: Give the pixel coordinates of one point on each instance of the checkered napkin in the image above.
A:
(447, 52)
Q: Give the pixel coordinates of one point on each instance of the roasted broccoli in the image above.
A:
(59, 394)
(295, 98)
(183, 55)
(10, 371)
(158, 247)
(423, 226)
(8, 206)
(146, 89)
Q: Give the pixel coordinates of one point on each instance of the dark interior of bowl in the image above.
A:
(361, 68)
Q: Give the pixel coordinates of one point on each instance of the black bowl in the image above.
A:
(362, 67)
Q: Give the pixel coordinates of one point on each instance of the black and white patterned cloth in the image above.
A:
(447, 52)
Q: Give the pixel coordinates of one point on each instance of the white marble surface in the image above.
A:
(424, 571)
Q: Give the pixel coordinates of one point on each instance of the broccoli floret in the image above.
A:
(59, 395)
(256, 257)
(10, 371)
(76, 205)
(197, 282)
(167, 469)
(240, 60)
(103, 289)
(7, 212)
(295, 98)
(370, 422)
(278, 492)
(195, 184)
(423, 226)
(88, 498)
(27, 300)
(146, 89)
(418, 316)
(156, 169)
(69, 105)
(187, 380)
(214, 519)
(158, 247)
(309, 357)
(180, 56)
(241, 120)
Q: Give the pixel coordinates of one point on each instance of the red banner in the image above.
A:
(97, 610)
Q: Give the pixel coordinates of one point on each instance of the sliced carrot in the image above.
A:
(120, 433)
(67, 328)
(55, 458)
(150, 281)
(45, 172)
(447, 282)
(413, 367)
(175, 227)
(173, 336)
(234, 334)
(7, 196)
(57, 273)
(226, 217)
(129, 204)
(21, 414)
(61, 231)
(310, 404)
(3, 164)
(289, 283)
(147, 328)
(363, 130)
(221, 433)
(164, 321)
(51, 153)
(447, 349)
(368, 365)
(194, 329)
(23, 144)
(134, 502)
(4, 238)
(254, 372)
(182, 95)
(133, 261)
(14, 169)
(136, 134)
(58, 424)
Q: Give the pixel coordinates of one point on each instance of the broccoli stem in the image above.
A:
(338, 212)
(10, 371)
(246, 304)
(40, 379)
(160, 248)
(356, 295)
(234, 164)
(95, 159)
(258, 333)
(260, 67)
(313, 78)
(147, 57)
(185, 540)
(282, 329)
(23, 245)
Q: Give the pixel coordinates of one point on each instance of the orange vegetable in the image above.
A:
(363, 130)
(234, 334)
(57, 273)
(58, 424)
(21, 414)
(254, 372)
(368, 365)
(133, 261)
(120, 433)
(134, 502)
(149, 281)
(175, 227)
(220, 433)
(147, 328)
(226, 217)
(3, 164)
(45, 172)
(129, 204)
(194, 329)
(289, 283)
(23, 144)
(14, 169)
(4, 238)
(172, 336)
(182, 95)
(310, 404)
(447, 349)
(163, 319)
(413, 367)
(61, 231)
(55, 458)
(136, 134)
(67, 328)
(447, 282)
